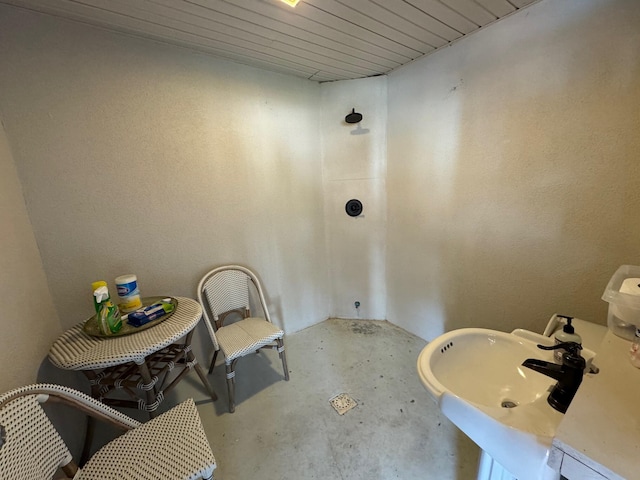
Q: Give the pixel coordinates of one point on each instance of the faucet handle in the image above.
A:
(571, 357)
(572, 347)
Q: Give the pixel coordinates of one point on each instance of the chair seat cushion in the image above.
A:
(172, 445)
(246, 336)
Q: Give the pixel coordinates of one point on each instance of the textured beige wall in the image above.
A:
(28, 319)
(354, 166)
(138, 157)
(512, 173)
(514, 170)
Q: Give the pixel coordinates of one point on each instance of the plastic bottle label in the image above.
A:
(128, 289)
(130, 304)
(128, 293)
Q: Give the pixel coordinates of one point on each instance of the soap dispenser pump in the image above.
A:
(567, 334)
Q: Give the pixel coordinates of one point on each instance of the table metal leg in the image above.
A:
(94, 382)
(153, 401)
(205, 381)
(191, 358)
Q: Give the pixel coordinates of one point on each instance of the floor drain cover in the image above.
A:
(342, 403)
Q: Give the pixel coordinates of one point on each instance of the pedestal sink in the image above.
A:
(477, 378)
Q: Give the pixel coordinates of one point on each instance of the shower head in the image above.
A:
(353, 117)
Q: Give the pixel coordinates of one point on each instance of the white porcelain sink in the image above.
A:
(477, 378)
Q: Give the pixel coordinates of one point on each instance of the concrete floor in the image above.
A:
(288, 430)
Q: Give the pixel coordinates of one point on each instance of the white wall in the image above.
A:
(509, 190)
(354, 166)
(513, 170)
(137, 157)
(28, 318)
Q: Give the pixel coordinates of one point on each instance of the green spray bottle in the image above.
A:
(108, 314)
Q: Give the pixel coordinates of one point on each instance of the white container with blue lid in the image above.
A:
(128, 293)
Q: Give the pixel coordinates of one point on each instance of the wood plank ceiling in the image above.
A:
(322, 40)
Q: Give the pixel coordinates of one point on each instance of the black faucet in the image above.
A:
(568, 375)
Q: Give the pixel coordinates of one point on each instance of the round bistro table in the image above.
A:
(135, 370)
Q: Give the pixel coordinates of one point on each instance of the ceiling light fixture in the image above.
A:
(291, 3)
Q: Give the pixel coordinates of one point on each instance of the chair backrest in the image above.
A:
(226, 288)
(30, 446)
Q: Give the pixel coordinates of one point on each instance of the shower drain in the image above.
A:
(342, 403)
(508, 404)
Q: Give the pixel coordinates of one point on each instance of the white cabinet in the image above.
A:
(573, 469)
(599, 437)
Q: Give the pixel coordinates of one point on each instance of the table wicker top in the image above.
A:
(76, 350)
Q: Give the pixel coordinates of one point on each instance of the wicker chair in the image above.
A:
(172, 445)
(226, 290)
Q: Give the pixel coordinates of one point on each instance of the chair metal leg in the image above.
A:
(231, 385)
(70, 469)
(283, 357)
(88, 440)
(213, 361)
